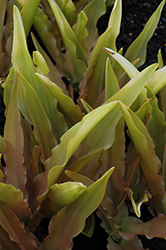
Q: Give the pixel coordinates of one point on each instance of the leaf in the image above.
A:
(28, 19)
(59, 196)
(94, 80)
(150, 163)
(23, 63)
(157, 80)
(71, 112)
(111, 82)
(43, 130)
(153, 228)
(157, 126)
(138, 48)
(53, 72)
(15, 228)
(93, 10)
(1, 144)
(80, 29)
(5, 241)
(134, 87)
(70, 221)
(114, 156)
(49, 36)
(126, 65)
(75, 50)
(14, 199)
(137, 205)
(15, 171)
(40, 63)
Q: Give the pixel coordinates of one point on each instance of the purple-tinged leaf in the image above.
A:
(11, 224)
(70, 221)
(15, 171)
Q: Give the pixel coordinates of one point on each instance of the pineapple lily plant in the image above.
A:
(67, 157)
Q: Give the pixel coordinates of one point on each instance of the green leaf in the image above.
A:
(157, 126)
(28, 19)
(158, 80)
(70, 220)
(94, 81)
(23, 63)
(93, 10)
(137, 205)
(14, 199)
(71, 112)
(40, 63)
(138, 48)
(15, 229)
(15, 170)
(134, 87)
(111, 82)
(74, 48)
(126, 65)
(80, 29)
(150, 163)
(53, 72)
(40, 121)
(59, 196)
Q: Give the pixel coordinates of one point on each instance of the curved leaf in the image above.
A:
(15, 229)
(15, 170)
(70, 221)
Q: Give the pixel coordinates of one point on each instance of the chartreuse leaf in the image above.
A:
(111, 82)
(150, 163)
(137, 205)
(68, 9)
(138, 48)
(40, 63)
(43, 130)
(14, 199)
(95, 74)
(23, 63)
(80, 29)
(74, 48)
(11, 224)
(114, 156)
(49, 36)
(59, 196)
(127, 95)
(71, 112)
(157, 126)
(53, 72)
(126, 65)
(93, 10)
(71, 219)
(28, 19)
(134, 87)
(158, 80)
(15, 171)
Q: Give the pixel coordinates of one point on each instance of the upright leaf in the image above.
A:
(15, 171)
(138, 48)
(75, 50)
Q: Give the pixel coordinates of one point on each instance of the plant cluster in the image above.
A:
(66, 158)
